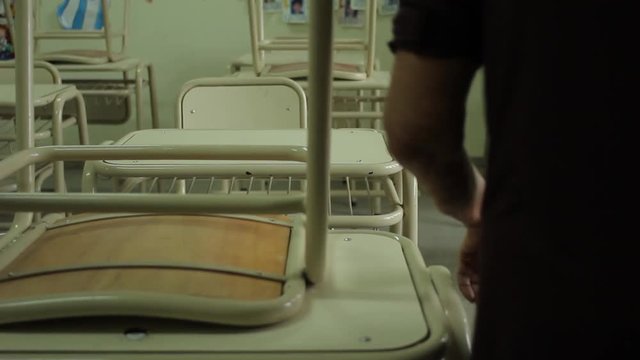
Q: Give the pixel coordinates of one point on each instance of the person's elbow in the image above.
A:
(413, 140)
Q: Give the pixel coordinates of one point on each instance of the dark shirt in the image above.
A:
(561, 88)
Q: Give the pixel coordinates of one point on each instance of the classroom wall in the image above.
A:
(187, 39)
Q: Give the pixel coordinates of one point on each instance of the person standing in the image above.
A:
(550, 245)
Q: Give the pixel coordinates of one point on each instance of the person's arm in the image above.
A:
(438, 49)
(424, 120)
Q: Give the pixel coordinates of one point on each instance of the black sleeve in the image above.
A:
(440, 28)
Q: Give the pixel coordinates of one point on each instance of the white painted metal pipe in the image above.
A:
(45, 154)
(320, 78)
(156, 203)
(24, 88)
(25, 115)
(371, 34)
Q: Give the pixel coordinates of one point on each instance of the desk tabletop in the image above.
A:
(354, 152)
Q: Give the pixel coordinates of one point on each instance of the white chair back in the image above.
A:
(232, 103)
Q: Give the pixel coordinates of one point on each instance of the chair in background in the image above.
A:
(360, 158)
(229, 103)
(264, 46)
(360, 87)
(108, 55)
(51, 98)
(269, 111)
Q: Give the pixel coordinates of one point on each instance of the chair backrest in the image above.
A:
(233, 103)
(104, 34)
(261, 45)
(44, 73)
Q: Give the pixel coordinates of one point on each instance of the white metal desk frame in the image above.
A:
(351, 158)
(376, 84)
(187, 113)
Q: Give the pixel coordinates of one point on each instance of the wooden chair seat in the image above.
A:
(209, 258)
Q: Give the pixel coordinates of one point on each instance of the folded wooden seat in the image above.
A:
(164, 266)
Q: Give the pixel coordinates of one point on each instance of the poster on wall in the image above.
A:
(388, 7)
(350, 16)
(81, 14)
(295, 11)
(6, 41)
(272, 6)
(359, 4)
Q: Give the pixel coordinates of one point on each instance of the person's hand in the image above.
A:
(469, 263)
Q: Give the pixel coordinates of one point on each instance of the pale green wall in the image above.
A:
(187, 39)
(475, 125)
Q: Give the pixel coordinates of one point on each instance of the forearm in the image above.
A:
(424, 119)
(451, 179)
(456, 186)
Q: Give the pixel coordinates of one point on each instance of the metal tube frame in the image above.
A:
(320, 79)
(25, 114)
